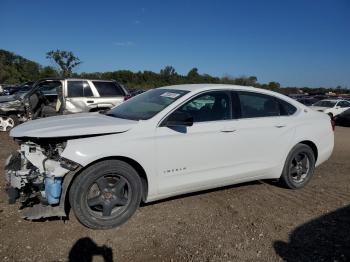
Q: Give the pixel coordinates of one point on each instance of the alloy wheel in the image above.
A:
(108, 196)
(299, 167)
(6, 123)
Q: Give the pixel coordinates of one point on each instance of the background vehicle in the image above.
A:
(343, 119)
(49, 97)
(308, 101)
(332, 107)
(10, 90)
(165, 142)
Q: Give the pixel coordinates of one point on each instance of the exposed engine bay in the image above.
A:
(35, 175)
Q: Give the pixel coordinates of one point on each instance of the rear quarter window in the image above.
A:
(108, 89)
(286, 108)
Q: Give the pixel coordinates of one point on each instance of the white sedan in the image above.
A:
(164, 142)
(332, 107)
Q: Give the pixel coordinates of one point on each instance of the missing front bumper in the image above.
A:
(43, 211)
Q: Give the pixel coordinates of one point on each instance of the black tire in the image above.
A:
(294, 175)
(15, 119)
(117, 194)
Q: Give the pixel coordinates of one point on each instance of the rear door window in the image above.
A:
(108, 89)
(258, 105)
(79, 89)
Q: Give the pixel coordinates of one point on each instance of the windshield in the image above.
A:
(146, 105)
(325, 103)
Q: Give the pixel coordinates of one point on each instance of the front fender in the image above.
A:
(86, 151)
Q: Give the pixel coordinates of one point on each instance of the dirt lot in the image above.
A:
(255, 221)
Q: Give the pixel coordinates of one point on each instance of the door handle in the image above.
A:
(89, 101)
(280, 125)
(228, 130)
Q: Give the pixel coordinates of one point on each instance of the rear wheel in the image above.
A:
(106, 194)
(299, 167)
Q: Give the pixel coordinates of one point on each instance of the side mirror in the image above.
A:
(179, 119)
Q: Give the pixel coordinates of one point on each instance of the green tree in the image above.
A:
(48, 71)
(273, 86)
(66, 61)
(15, 69)
(168, 75)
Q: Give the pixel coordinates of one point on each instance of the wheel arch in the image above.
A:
(139, 169)
(312, 145)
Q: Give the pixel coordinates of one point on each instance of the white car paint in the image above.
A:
(73, 125)
(205, 155)
(338, 108)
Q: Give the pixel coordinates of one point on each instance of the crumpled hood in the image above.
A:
(72, 125)
(7, 98)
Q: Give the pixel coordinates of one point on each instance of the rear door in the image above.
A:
(110, 93)
(263, 134)
(79, 97)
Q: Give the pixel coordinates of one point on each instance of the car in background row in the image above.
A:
(332, 107)
(10, 90)
(308, 101)
(50, 97)
(343, 119)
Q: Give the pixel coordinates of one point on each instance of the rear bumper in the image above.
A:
(325, 150)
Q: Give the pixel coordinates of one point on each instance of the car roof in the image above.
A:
(333, 100)
(207, 87)
(200, 87)
(71, 78)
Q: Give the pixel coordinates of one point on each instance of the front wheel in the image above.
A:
(106, 194)
(299, 167)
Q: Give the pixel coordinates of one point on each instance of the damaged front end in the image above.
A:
(38, 177)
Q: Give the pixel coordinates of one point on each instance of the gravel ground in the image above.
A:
(254, 221)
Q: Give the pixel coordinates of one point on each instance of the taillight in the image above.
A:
(333, 124)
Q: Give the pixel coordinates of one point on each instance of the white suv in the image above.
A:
(164, 142)
(332, 107)
(49, 97)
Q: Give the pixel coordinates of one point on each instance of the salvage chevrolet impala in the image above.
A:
(164, 142)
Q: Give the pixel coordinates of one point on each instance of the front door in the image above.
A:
(191, 157)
